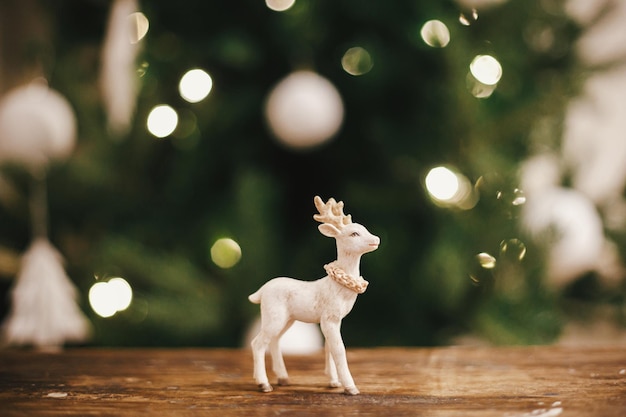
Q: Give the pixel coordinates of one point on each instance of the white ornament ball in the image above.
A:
(304, 110)
(37, 125)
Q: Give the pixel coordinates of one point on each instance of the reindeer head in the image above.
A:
(351, 237)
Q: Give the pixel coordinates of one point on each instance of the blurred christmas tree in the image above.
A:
(148, 209)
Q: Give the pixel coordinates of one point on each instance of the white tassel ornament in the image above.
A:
(118, 78)
(44, 310)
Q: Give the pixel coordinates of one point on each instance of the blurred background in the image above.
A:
(159, 162)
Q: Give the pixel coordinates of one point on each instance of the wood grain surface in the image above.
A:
(450, 381)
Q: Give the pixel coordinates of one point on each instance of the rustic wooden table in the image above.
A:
(451, 381)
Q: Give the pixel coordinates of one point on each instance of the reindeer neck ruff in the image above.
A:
(358, 285)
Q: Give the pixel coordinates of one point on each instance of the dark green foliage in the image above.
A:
(149, 210)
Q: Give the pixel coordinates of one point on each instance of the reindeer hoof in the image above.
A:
(265, 387)
(351, 391)
(334, 384)
(283, 381)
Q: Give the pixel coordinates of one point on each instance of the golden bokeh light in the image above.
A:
(484, 74)
(449, 188)
(357, 61)
(99, 300)
(195, 85)
(486, 260)
(139, 24)
(162, 121)
(435, 33)
(467, 19)
(442, 183)
(110, 297)
(486, 69)
(519, 197)
(513, 249)
(225, 253)
(123, 293)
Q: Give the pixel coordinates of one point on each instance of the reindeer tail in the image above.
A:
(256, 297)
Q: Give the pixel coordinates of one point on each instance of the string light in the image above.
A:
(449, 188)
(162, 121)
(225, 253)
(357, 61)
(108, 298)
(486, 69)
(435, 33)
(195, 85)
(139, 26)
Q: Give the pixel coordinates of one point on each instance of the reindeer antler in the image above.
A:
(331, 212)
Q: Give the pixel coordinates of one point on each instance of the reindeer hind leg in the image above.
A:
(273, 324)
(278, 363)
(259, 347)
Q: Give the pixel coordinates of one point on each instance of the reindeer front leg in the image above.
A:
(331, 328)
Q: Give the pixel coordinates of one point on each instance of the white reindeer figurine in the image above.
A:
(326, 301)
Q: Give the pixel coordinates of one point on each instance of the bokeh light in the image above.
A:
(486, 260)
(357, 61)
(99, 300)
(435, 33)
(279, 5)
(442, 183)
(225, 253)
(447, 187)
(304, 110)
(515, 197)
(139, 26)
(519, 197)
(484, 74)
(162, 121)
(513, 249)
(486, 69)
(195, 85)
(110, 297)
(468, 18)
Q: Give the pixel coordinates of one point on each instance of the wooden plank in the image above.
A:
(452, 381)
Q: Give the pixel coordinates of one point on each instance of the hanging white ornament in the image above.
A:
(118, 74)
(304, 110)
(568, 223)
(44, 311)
(37, 125)
(480, 4)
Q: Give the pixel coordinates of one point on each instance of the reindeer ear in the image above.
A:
(328, 230)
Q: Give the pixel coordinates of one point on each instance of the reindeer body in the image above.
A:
(296, 297)
(326, 301)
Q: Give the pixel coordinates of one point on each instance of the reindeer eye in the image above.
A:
(355, 234)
